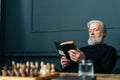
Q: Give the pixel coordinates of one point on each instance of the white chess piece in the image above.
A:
(41, 67)
(48, 67)
(44, 70)
(52, 68)
(36, 65)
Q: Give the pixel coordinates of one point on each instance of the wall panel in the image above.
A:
(32, 26)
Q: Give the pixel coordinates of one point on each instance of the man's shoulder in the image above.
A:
(101, 46)
(110, 47)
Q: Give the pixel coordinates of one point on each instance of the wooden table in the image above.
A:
(98, 76)
(57, 74)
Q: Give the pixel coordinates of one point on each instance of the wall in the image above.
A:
(32, 26)
(1, 33)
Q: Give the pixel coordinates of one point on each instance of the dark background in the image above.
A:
(28, 28)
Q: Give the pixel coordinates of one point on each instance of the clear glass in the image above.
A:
(86, 68)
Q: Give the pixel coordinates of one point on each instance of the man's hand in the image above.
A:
(76, 55)
(64, 61)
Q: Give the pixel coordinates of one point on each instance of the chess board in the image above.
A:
(41, 77)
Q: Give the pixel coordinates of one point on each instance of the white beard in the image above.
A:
(94, 41)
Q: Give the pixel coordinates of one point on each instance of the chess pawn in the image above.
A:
(31, 72)
(27, 64)
(41, 67)
(44, 72)
(27, 69)
(36, 65)
(36, 69)
(36, 72)
(31, 64)
(4, 73)
(11, 71)
(52, 68)
(22, 70)
(13, 63)
(41, 64)
(48, 67)
(17, 66)
(17, 73)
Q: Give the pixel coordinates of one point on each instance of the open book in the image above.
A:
(64, 47)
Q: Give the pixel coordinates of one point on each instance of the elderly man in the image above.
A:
(103, 55)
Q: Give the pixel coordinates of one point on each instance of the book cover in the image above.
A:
(64, 47)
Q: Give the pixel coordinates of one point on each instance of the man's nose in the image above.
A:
(92, 33)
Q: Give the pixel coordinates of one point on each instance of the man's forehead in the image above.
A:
(94, 25)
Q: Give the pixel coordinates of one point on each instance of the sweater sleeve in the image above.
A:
(109, 60)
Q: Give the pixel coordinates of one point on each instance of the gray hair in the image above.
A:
(97, 21)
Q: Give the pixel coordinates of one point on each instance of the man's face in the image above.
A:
(95, 30)
(95, 34)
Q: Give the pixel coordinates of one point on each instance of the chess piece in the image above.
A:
(27, 69)
(13, 63)
(27, 64)
(36, 65)
(16, 71)
(11, 71)
(32, 68)
(22, 70)
(52, 68)
(48, 68)
(4, 70)
(31, 72)
(44, 72)
(41, 67)
(36, 69)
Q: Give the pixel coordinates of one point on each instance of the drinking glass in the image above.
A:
(86, 68)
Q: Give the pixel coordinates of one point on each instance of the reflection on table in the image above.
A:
(98, 76)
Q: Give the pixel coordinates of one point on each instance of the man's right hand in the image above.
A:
(64, 61)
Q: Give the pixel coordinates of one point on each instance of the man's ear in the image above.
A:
(104, 34)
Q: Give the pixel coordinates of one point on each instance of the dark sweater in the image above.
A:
(104, 58)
